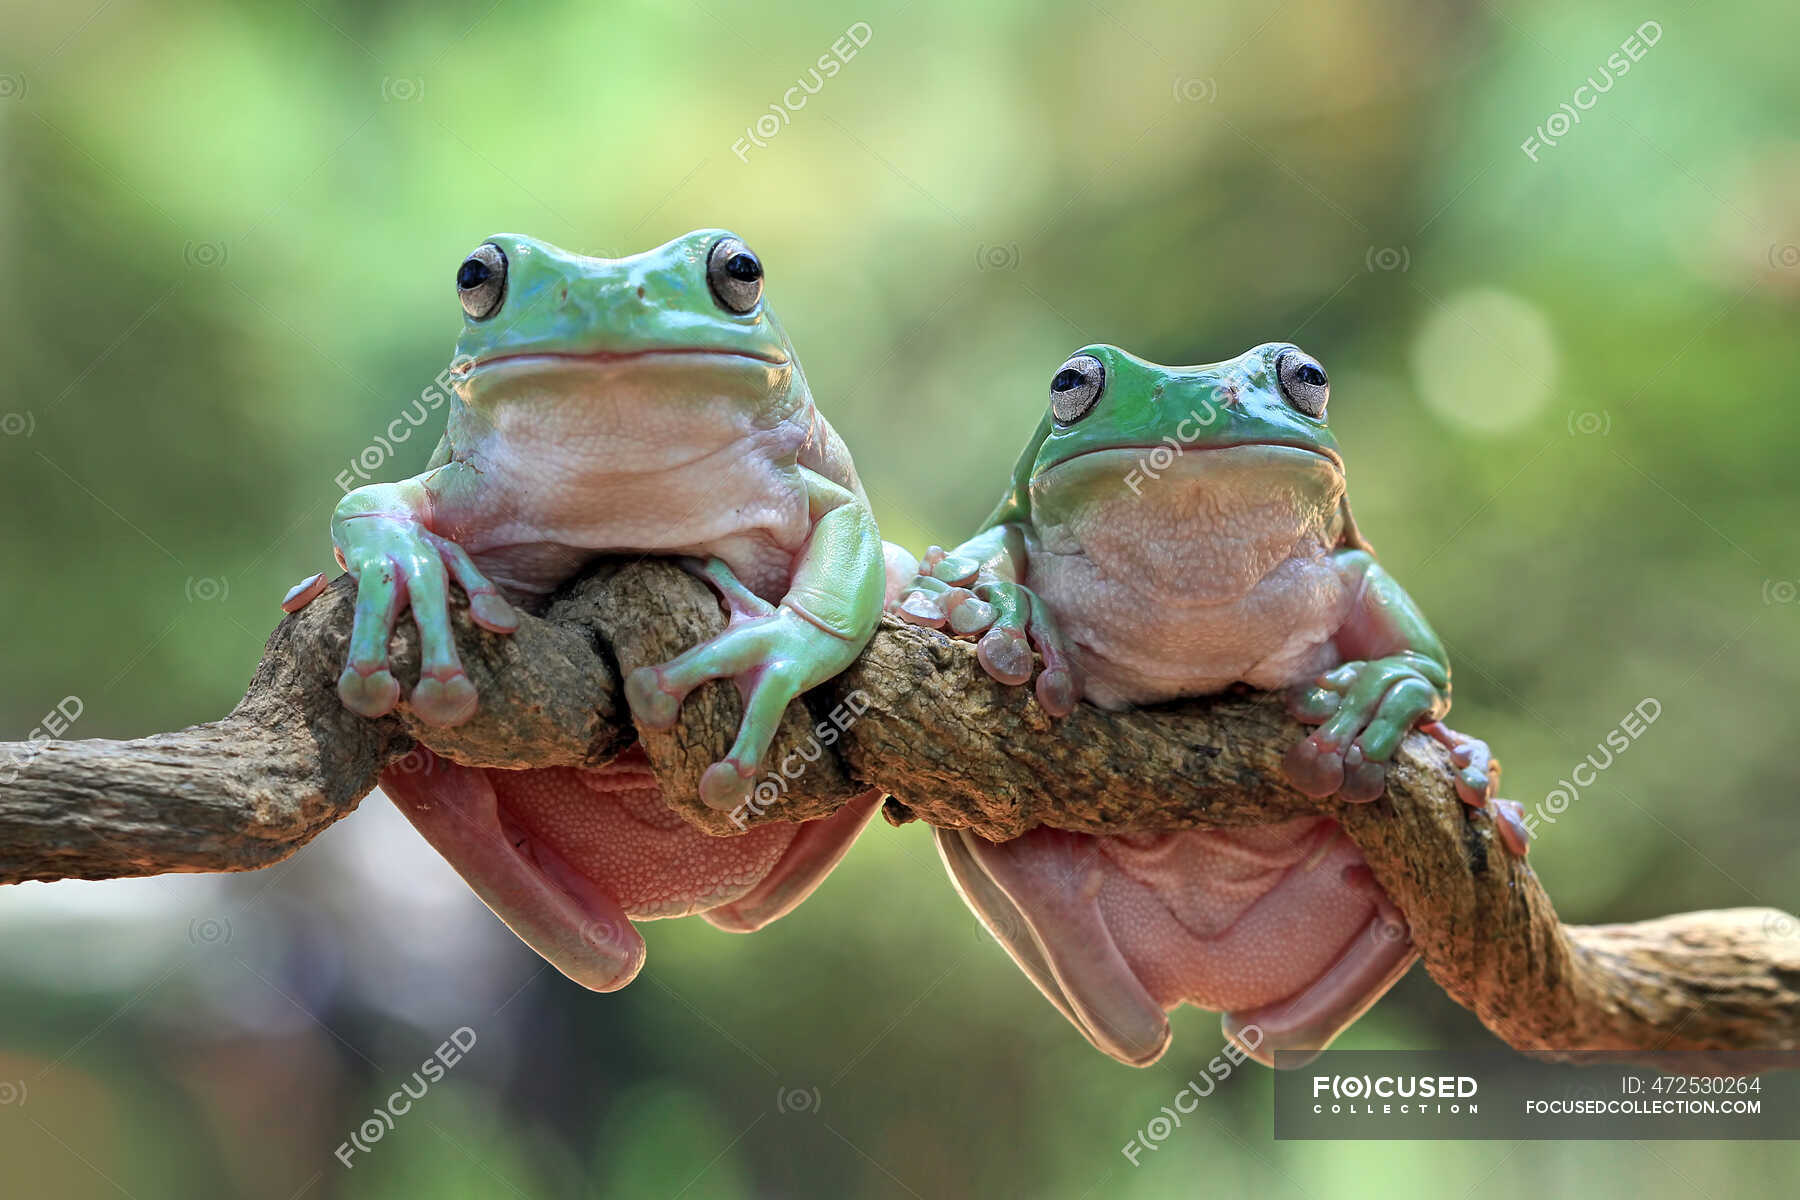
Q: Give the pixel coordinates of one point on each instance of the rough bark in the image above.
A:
(917, 718)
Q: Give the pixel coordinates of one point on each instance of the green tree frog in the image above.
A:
(1178, 531)
(649, 405)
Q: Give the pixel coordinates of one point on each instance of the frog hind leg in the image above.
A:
(577, 927)
(1002, 918)
(1301, 1026)
(818, 846)
(1039, 895)
(569, 858)
(1280, 927)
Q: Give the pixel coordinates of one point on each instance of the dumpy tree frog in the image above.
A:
(1176, 531)
(650, 404)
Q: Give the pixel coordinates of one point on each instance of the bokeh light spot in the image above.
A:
(1485, 360)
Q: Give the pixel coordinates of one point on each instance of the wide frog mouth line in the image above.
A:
(1134, 454)
(606, 358)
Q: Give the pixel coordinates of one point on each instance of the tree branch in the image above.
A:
(916, 717)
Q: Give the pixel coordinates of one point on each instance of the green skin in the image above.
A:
(621, 405)
(1178, 531)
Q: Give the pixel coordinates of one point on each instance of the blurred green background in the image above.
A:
(1564, 379)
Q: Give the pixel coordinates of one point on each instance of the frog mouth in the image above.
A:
(1152, 459)
(528, 359)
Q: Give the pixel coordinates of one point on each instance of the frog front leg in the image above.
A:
(818, 628)
(1396, 674)
(384, 539)
(974, 590)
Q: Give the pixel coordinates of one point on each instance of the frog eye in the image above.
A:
(735, 275)
(1075, 387)
(1303, 382)
(481, 281)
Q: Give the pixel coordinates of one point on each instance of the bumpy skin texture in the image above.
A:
(650, 404)
(1170, 532)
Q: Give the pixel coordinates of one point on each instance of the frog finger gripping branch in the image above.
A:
(650, 404)
(1170, 532)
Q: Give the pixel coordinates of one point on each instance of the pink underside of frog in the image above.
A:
(1281, 927)
(570, 858)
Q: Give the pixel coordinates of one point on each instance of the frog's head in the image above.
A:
(1163, 463)
(685, 322)
(1269, 401)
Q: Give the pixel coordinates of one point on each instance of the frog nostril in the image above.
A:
(640, 292)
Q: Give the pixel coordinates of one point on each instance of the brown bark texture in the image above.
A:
(916, 717)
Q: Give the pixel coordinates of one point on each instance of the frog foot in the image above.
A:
(937, 589)
(1009, 620)
(1509, 823)
(398, 563)
(1478, 784)
(772, 658)
(304, 593)
(1363, 709)
(1477, 770)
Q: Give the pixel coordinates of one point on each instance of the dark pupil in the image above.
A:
(472, 274)
(1066, 379)
(744, 267)
(1311, 375)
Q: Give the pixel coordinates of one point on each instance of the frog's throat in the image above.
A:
(1125, 486)
(1125, 536)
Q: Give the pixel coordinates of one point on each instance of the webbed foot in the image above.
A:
(304, 593)
(1008, 619)
(772, 657)
(1478, 785)
(1363, 709)
(399, 563)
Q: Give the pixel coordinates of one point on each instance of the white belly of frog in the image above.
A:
(741, 503)
(1129, 650)
(1197, 583)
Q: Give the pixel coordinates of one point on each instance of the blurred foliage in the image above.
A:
(229, 232)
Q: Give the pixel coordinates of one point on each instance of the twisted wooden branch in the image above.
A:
(916, 717)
